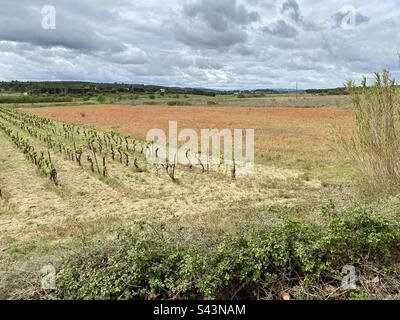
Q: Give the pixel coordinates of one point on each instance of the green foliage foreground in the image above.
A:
(255, 262)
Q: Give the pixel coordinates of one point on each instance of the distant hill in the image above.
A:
(79, 88)
(76, 87)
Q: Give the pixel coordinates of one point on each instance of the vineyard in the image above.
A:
(64, 178)
(88, 148)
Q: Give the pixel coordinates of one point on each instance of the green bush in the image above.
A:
(178, 103)
(101, 99)
(256, 261)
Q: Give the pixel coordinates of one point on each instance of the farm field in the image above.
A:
(285, 133)
(44, 220)
(301, 100)
(269, 100)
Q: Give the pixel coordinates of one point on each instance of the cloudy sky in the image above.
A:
(202, 43)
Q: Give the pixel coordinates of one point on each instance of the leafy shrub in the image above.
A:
(251, 95)
(101, 99)
(178, 103)
(256, 261)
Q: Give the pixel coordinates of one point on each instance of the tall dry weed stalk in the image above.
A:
(374, 147)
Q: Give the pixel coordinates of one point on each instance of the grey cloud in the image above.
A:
(243, 50)
(281, 29)
(209, 39)
(209, 24)
(21, 22)
(129, 56)
(219, 14)
(291, 7)
(204, 63)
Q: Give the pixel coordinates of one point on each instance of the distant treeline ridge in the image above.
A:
(92, 88)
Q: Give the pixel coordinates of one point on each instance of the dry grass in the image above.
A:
(375, 144)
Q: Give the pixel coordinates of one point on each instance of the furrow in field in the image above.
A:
(28, 199)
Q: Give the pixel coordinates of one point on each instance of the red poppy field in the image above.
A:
(299, 133)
